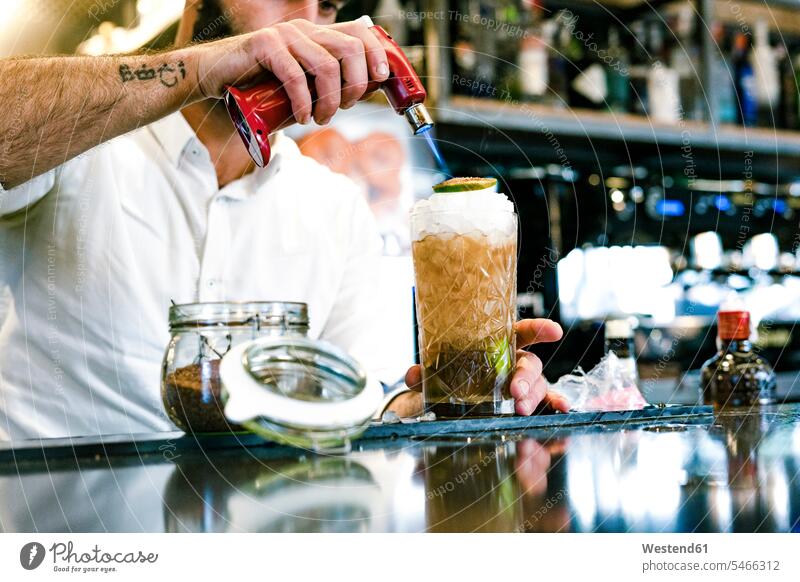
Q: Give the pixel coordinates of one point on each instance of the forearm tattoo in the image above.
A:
(168, 75)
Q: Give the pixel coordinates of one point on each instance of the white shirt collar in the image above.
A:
(175, 136)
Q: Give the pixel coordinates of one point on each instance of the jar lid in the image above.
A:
(298, 391)
(284, 314)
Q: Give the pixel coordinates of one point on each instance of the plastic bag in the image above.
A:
(608, 386)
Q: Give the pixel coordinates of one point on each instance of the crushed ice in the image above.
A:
(606, 387)
(390, 417)
(470, 212)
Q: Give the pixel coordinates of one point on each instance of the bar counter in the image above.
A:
(734, 471)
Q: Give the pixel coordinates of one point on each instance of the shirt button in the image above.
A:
(211, 283)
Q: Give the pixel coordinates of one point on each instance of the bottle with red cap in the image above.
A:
(736, 375)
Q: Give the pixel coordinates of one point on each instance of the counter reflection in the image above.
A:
(314, 494)
(739, 474)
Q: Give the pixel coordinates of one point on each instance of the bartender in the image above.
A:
(126, 187)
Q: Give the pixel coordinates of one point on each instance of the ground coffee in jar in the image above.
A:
(202, 333)
(193, 394)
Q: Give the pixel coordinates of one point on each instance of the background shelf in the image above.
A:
(467, 111)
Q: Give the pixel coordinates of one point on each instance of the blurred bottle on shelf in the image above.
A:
(465, 61)
(560, 63)
(476, 65)
(788, 104)
(619, 339)
(618, 74)
(685, 60)
(766, 78)
(571, 59)
(663, 93)
(640, 67)
(510, 16)
(487, 64)
(722, 92)
(794, 88)
(465, 64)
(533, 54)
(744, 81)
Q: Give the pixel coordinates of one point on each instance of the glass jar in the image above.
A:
(202, 333)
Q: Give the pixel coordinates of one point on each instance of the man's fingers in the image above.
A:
(527, 404)
(535, 331)
(377, 62)
(414, 378)
(327, 75)
(350, 51)
(271, 53)
(527, 384)
(533, 460)
(289, 72)
(407, 404)
(528, 370)
(556, 402)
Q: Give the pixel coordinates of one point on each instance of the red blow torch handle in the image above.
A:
(403, 88)
(262, 109)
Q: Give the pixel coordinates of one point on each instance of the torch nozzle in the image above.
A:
(418, 118)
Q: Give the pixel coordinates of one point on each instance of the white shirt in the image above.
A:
(94, 251)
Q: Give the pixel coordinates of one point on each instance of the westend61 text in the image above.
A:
(670, 549)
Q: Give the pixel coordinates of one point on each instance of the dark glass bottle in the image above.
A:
(745, 81)
(640, 66)
(736, 376)
(789, 92)
(558, 63)
(618, 74)
(724, 94)
(619, 339)
(685, 59)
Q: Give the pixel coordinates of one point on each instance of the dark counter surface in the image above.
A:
(736, 471)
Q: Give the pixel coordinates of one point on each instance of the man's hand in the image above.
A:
(528, 386)
(342, 58)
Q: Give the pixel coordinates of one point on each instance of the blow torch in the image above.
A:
(265, 108)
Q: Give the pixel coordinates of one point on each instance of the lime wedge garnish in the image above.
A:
(464, 185)
(500, 356)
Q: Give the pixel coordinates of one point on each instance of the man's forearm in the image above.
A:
(56, 108)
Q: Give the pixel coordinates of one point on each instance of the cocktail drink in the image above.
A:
(465, 262)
